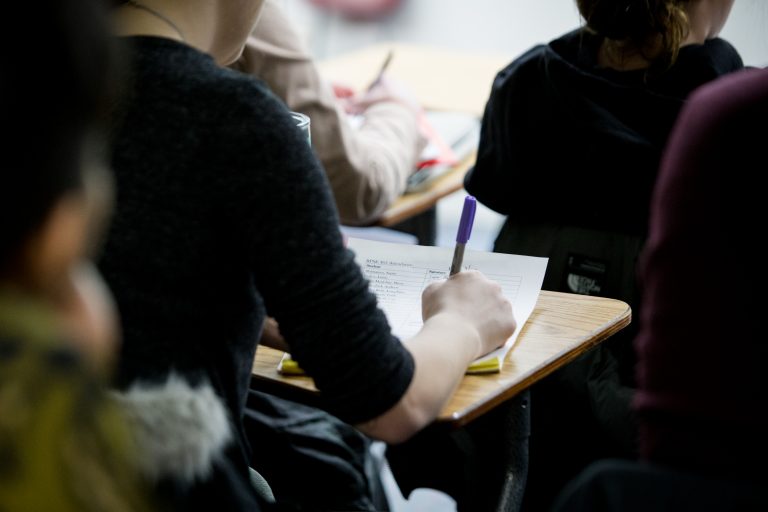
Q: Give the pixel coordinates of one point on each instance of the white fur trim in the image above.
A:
(179, 429)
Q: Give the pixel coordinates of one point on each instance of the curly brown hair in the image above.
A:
(654, 28)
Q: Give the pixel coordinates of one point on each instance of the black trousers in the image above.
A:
(311, 459)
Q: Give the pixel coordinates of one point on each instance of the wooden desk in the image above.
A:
(441, 80)
(411, 204)
(561, 327)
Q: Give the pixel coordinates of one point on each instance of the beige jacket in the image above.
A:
(366, 167)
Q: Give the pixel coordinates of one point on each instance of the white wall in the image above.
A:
(499, 26)
(747, 30)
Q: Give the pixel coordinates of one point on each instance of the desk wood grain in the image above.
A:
(561, 327)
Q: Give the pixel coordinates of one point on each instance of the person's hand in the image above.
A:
(342, 91)
(476, 301)
(271, 337)
(385, 89)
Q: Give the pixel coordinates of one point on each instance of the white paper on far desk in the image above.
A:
(398, 274)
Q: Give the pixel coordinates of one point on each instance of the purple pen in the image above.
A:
(462, 236)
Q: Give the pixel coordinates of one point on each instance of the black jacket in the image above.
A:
(566, 141)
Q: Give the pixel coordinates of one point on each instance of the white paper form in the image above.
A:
(399, 273)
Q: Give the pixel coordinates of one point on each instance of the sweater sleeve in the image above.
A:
(367, 168)
(283, 216)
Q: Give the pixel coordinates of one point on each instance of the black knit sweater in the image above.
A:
(223, 214)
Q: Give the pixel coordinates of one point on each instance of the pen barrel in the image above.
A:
(458, 258)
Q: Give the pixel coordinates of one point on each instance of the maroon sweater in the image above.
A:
(703, 385)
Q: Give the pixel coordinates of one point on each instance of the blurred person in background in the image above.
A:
(701, 388)
(571, 140)
(367, 167)
(64, 443)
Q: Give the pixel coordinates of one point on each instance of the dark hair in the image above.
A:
(49, 107)
(635, 25)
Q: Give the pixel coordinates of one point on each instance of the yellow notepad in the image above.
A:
(289, 367)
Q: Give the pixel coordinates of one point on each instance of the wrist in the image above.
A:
(455, 330)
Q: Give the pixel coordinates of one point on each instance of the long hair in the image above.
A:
(637, 26)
